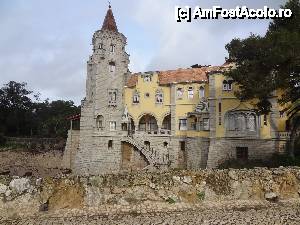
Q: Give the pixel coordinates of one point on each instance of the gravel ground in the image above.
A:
(267, 215)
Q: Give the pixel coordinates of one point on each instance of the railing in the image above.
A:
(154, 132)
(284, 134)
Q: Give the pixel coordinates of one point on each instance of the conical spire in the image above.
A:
(109, 21)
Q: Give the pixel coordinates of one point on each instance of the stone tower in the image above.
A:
(102, 109)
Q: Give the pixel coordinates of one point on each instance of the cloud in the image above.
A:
(47, 43)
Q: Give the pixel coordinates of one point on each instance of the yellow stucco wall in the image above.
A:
(185, 105)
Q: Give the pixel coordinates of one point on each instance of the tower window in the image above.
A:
(265, 120)
(110, 144)
(101, 46)
(112, 67)
(112, 97)
(112, 48)
(112, 125)
(99, 122)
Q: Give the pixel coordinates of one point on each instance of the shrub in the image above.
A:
(201, 195)
(2, 140)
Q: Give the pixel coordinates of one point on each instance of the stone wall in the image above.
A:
(26, 196)
(197, 152)
(222, 149)
(71, 149)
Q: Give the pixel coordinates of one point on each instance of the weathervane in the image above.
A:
(109, 6)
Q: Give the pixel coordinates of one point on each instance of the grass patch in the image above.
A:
(201, 195)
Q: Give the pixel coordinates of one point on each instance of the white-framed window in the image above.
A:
(227, 85)
(179, 92)
(99, 122)
(205, 124)
(112, 67)
(159, 97)
(112, 97)
(112, 48)
(147, 78)
(201, 92)
(136, 98)
(182, 124)
(112, 125)
(190, 93)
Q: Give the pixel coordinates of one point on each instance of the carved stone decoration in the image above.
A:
(202, 106)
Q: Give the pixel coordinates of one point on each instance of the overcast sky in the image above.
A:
(47, 43)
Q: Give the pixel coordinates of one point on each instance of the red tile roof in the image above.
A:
(179, 75)
(131, 82)
(109, 21)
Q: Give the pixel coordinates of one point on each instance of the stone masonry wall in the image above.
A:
(197, 152)
(222, 149)
(28, 195)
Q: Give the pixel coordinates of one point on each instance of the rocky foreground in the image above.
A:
(287, 213)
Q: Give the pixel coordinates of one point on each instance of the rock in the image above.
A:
(3, 189)
(123, 202)
(271, 196)
(152, 185)
(20, 185)
(187, 180)
(8, 193)
(232, 174)
(38, 182)
(176, 178)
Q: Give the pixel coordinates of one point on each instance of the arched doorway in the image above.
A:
(132, 159)
(148, 123)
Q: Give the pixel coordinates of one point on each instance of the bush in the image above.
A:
(2, 140)
(275, 161)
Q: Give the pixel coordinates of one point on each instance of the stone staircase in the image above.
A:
(155, 157)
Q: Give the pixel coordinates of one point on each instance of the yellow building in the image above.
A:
(183, 118)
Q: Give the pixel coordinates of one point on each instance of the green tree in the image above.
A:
(265, 64)
(15, 108)
(269, 63)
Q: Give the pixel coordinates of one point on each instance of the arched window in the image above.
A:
(201, 92)
(99, 122)
(112, 67)
(112, 48)
(110, 144)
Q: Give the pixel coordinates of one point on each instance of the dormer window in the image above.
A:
(190, 93)
(159, 97)
(112, 67)
(136, 98)
(147, 78)
(112, 48)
